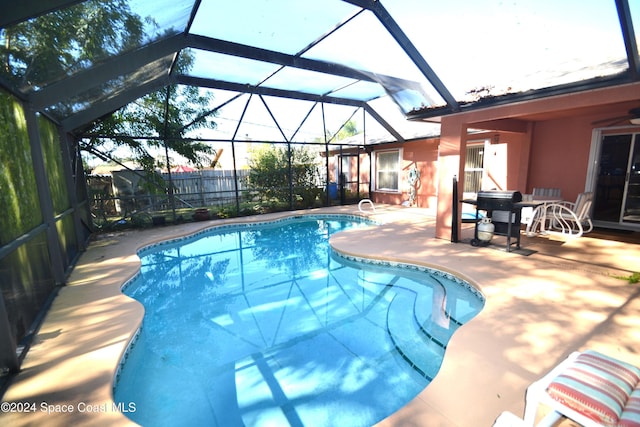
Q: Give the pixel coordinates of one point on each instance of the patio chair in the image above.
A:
(565, 218)
(590, 388)
(540, 193)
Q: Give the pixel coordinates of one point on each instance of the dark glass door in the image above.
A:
(612, 175)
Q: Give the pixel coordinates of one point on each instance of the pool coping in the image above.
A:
(77, 351)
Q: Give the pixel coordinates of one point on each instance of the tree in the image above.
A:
(41, 51)
(348, 130)
(271, 174)
(161, 120)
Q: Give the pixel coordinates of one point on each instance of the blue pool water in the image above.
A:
(253, 325)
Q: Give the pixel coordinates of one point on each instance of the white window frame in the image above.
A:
(476, 144)
(398, 171)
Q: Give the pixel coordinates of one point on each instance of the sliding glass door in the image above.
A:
(617, 189)
(631, 211)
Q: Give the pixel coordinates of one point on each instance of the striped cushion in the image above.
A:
(631, 413)
(598, 387)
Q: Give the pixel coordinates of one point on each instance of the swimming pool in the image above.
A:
(262, 324)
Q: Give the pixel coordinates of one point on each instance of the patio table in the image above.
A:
(543, 217)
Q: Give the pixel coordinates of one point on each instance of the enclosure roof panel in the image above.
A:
(281, 25)
(79, 60)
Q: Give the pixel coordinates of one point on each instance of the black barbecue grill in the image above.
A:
(505, 212)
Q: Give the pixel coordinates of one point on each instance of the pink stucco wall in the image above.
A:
(551, 141)
(560, 155)
(423, 154)
(539, 143)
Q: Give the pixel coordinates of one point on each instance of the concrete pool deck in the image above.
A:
(562, 298)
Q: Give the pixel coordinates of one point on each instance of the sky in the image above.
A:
(499, 45)
(468, 43)
(517, 44)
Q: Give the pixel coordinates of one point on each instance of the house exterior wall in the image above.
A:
(540, 143)
(555, 140)
(504, 151)
(423, 154)
(560, 155)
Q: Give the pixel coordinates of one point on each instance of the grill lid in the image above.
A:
(511, 196)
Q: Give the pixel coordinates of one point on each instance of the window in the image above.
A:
(388, 170)
(473, 168)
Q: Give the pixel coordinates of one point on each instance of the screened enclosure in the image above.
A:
(44, 223)
(289, 96)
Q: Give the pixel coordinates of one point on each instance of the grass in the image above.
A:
(632, 278)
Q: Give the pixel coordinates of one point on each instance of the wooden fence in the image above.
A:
(207, 187)
(124, 191)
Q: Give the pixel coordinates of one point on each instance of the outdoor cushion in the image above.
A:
(631, 413)
(601, 388)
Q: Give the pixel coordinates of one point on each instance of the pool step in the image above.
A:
(432, 306)
(416, 345)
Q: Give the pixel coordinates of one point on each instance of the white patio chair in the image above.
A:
(589, 388)
(564, 218)
(540, 193)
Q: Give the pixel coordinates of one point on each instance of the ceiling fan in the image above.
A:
(633, 116)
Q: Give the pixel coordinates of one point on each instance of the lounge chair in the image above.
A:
(565, 218)
(590, 388)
